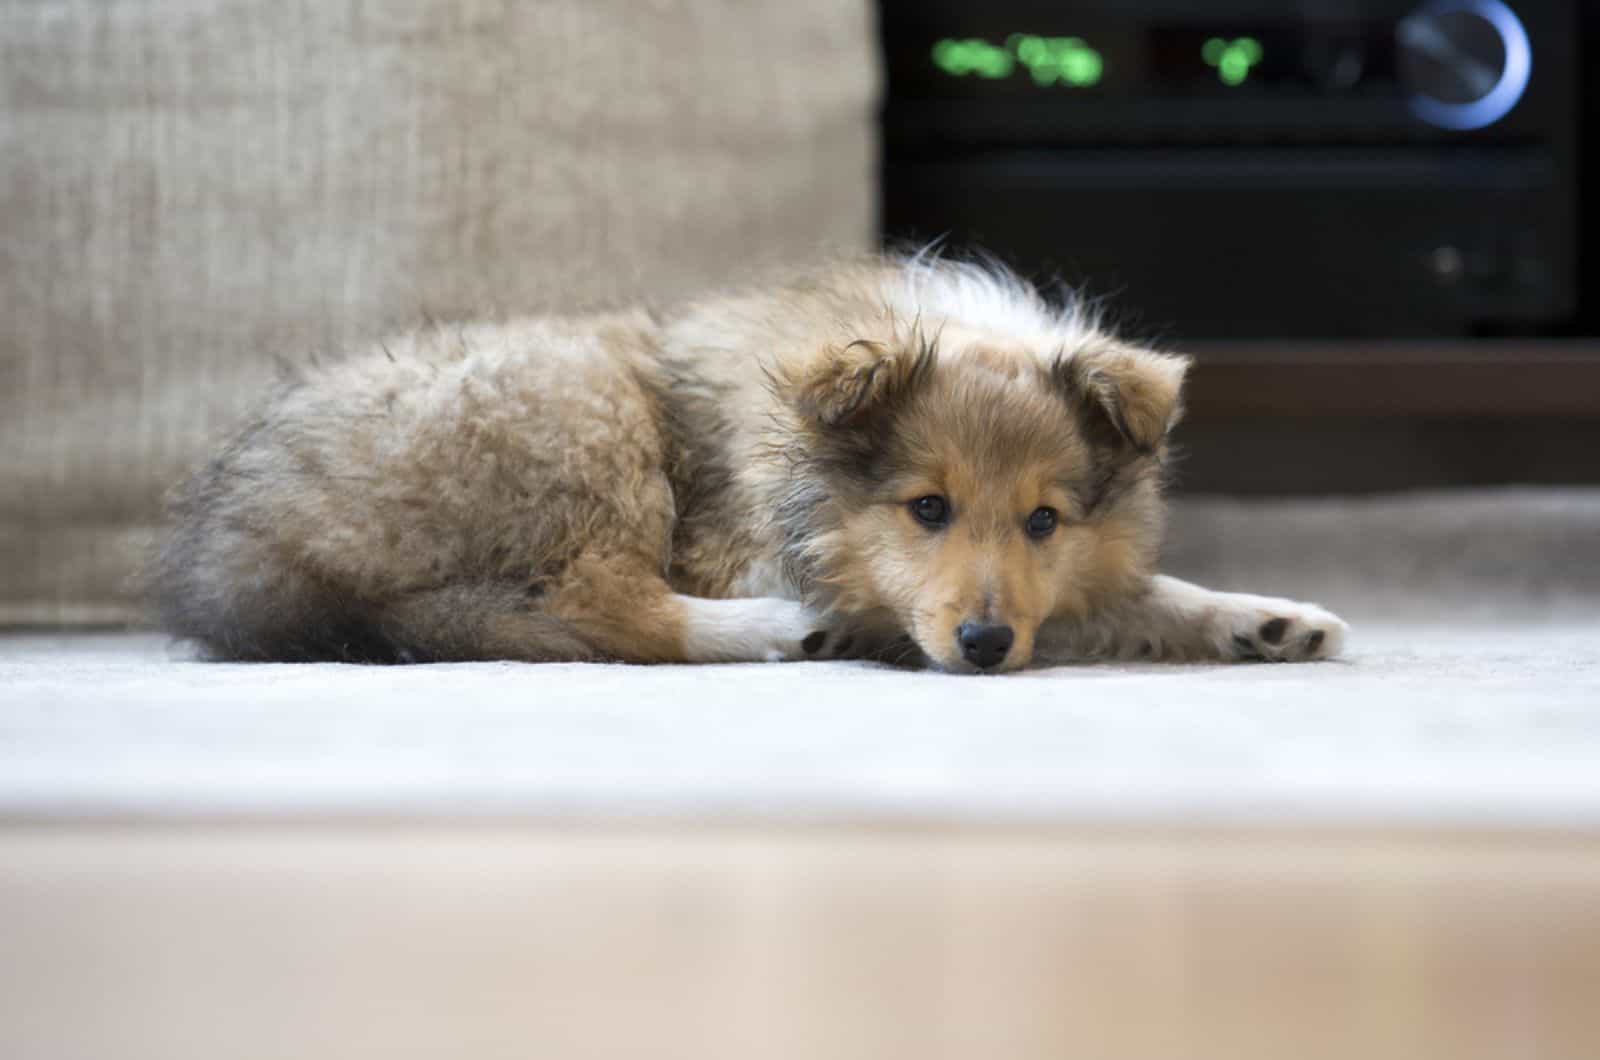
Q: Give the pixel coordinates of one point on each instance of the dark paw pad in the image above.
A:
(814, 642)
(1272, 631)
(1314, 641)
(1245, 648)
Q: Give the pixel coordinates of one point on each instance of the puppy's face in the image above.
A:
(975, 492)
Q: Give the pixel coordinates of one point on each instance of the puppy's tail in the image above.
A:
(457, 623)
(477, 621)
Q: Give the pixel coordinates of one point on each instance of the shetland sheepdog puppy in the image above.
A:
(897, 458)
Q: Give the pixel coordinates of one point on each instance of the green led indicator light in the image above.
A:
(1058, 59)
(1049, 60)
(1232, 59)
(958, 58)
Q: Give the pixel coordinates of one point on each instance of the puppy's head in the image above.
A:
(968, 492)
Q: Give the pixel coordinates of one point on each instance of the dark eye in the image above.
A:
(931, 510)
(1042, 522)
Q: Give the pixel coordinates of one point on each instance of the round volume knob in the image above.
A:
(1465, 63)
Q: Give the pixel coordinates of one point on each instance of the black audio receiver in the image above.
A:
(1312, 169)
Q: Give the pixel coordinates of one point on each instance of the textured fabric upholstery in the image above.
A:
(191, 188)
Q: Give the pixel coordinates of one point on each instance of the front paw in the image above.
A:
(836, 638)
(816, 636)
(1265, 629)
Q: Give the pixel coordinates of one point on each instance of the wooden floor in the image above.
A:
(476, 941)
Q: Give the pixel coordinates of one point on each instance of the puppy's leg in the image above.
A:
(624, 612)
(1177, 621)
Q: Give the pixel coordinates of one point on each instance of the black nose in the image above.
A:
(984, 646)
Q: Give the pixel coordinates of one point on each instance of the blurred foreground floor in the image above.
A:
(496, 942)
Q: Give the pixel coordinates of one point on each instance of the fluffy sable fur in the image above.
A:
(743, 478)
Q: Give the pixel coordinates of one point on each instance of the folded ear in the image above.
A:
(844, 385)
(1138, 393)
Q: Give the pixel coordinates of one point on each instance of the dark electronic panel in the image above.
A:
(1321, 169)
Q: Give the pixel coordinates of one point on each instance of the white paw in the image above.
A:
(760, 629)
(831, 637)
(836, 638)
(798, 633)
(1267, 629)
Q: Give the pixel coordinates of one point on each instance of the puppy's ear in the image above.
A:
(845, 385)
(1135, 393)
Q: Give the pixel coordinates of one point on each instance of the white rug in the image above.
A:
(1482, 726)
(1471, 695)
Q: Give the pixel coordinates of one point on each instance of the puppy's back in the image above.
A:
(406, 503)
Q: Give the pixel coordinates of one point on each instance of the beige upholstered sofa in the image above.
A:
(194, 189)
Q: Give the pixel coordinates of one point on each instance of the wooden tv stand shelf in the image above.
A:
(1501, 378)
(1363, 416)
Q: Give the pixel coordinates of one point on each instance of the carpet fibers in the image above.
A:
(1480, 708)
